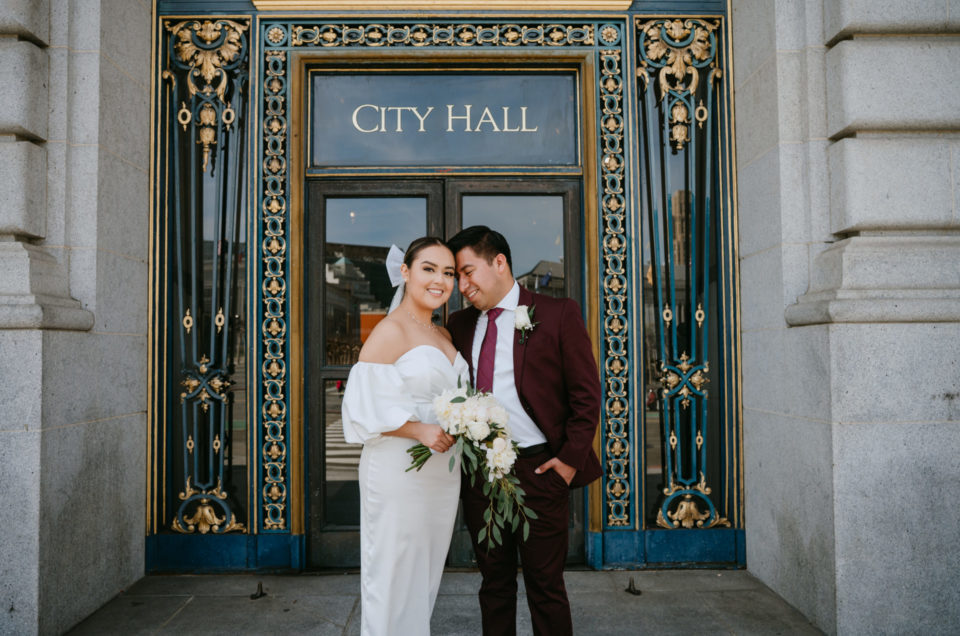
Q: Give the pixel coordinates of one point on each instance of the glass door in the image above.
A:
(350, 227)
(541, 221)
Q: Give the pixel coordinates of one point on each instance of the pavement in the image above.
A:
(670, 602)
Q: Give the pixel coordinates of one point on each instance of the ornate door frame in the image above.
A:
(617, 66)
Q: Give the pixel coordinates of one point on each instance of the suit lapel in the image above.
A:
(520, 350)
(467, 351)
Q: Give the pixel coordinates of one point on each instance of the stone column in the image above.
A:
(783, 206)
(850, 270)
(34, 295)
(74, 209)
(889, 290)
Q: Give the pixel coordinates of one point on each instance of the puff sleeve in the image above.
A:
(374, 402)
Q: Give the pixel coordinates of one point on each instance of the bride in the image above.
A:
(406, 518)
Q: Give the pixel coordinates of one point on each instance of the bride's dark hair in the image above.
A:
(418, 245)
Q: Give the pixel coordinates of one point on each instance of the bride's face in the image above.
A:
(431, 277)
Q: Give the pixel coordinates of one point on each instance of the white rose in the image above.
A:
(521, 318)
(472, 409)
(500, 458)
(477, 430)
(448, 414)
(498, 415)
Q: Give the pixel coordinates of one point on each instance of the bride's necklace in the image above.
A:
(425, 325)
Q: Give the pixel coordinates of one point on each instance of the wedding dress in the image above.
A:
(406, 518)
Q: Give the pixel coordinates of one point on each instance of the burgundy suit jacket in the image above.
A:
(556, 377)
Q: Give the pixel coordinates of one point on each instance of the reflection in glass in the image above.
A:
(533, 226)
(359, 232)
(341, 462)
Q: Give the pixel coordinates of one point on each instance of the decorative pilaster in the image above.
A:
(202, 110)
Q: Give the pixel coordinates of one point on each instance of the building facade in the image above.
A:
(759, 219)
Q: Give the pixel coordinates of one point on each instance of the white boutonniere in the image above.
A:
(523, 321)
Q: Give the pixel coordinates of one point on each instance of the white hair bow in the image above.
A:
(394, 261)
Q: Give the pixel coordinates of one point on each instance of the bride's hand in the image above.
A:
(434, 437)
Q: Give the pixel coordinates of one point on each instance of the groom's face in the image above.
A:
(482, 283)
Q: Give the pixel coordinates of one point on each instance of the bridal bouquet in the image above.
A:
(478, 423)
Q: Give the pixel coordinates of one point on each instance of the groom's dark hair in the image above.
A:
(485, 242)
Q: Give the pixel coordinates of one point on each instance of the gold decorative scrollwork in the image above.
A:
(679, 49)
(687, 513)
(203, 378)
(272, 322)
(377, 35)
(204, 518)
(208, 48)
(614, 243)
(670, 379)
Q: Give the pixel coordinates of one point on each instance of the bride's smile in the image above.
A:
(429, 279)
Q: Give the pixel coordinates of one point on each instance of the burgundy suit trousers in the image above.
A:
(542, 555)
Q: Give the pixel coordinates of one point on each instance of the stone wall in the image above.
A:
(848, 137)
(74, 164)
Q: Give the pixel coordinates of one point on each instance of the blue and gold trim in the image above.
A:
(655, 104)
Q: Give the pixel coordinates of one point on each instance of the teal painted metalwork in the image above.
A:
(273, 284)
(282, 38)
(678, 69)
(617, 443)
(203, 108)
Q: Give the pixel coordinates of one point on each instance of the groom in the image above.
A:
(546, 378)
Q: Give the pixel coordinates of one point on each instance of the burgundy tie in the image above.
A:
(488, 351)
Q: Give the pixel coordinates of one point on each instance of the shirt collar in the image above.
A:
(511, 300)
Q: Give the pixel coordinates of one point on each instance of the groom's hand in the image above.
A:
(564, 470)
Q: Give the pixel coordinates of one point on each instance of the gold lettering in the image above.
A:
(486, 118)
(423, 118)
(523, 121)
(506, 121)
(399, 110)
(356, 124)
(451, 117)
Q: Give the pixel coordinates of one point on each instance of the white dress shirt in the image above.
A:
(521, 427)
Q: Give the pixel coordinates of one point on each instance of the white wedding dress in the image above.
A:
(406, 518)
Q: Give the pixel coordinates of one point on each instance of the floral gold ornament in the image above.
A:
(272, 318)
(210, 49)
(204, 518)
(680, 375)
(613, 242)
(678, 50)
(275, 35)
(418, 35)
(204, 384)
